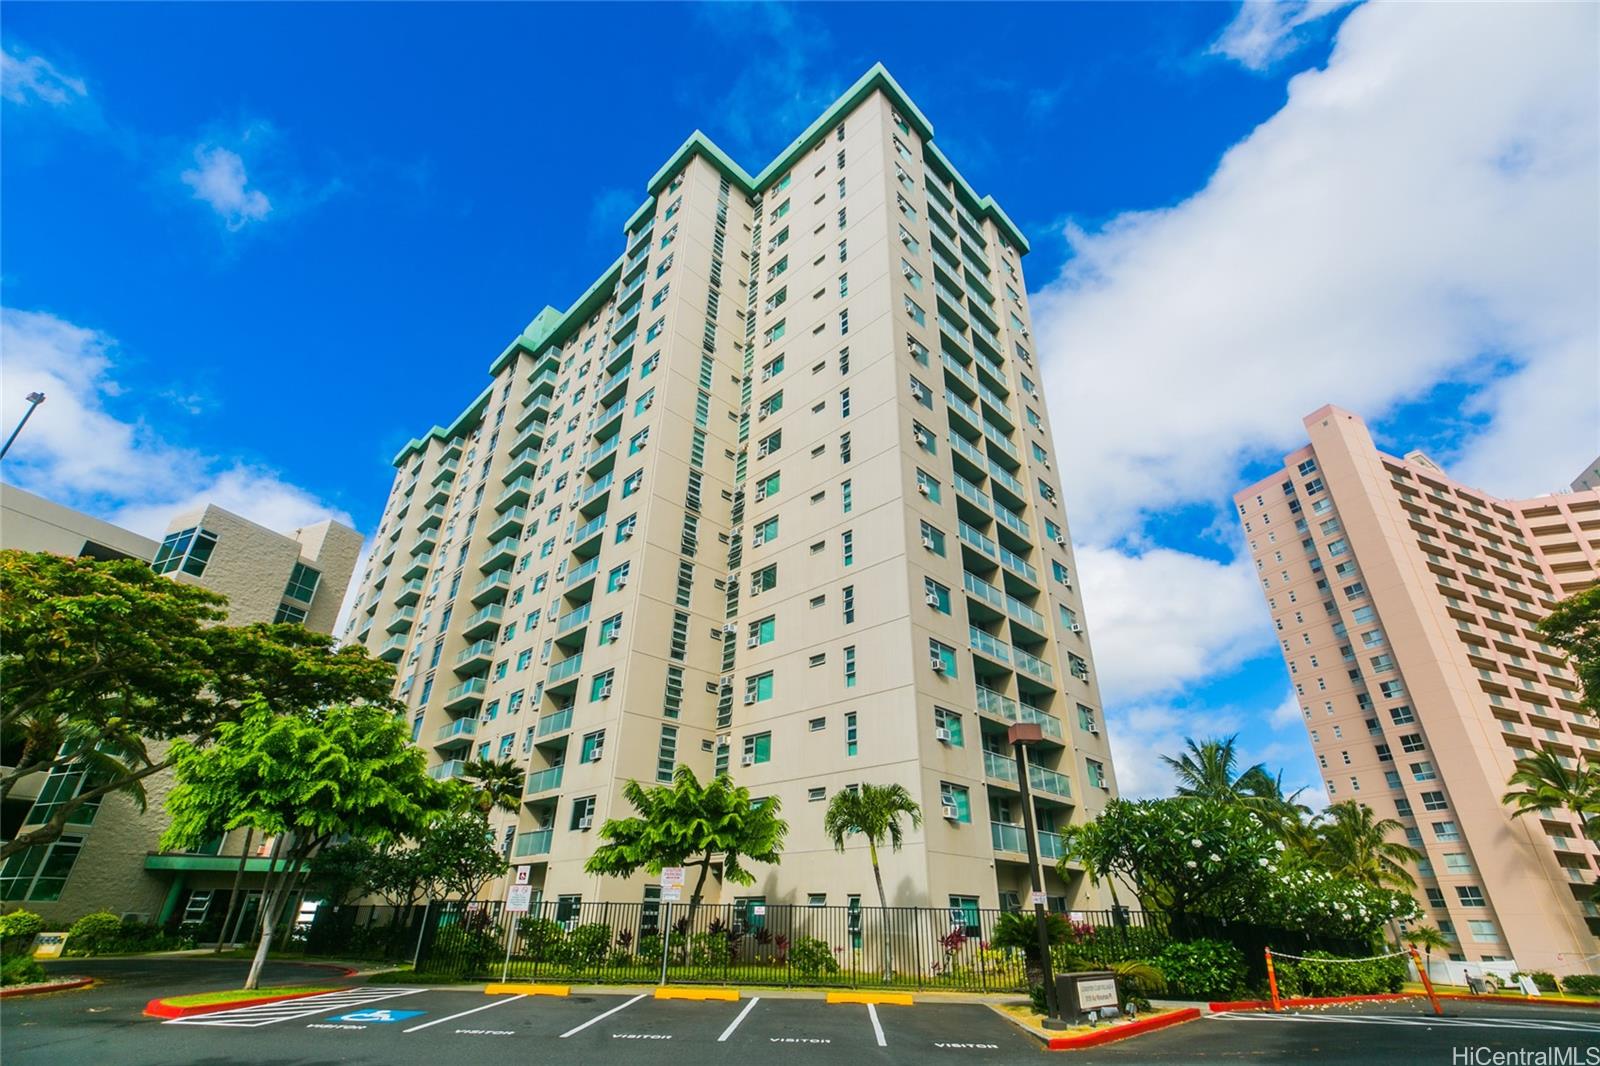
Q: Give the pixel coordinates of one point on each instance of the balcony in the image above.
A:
(972, 494)
(446, 472)
(501, 554)
(583, 574)
(593, 493)
(605, 450)
(604, 419)
(448, 771)
(1013, 523)
(543, 382)
(589, 529)
(437, 495)
(999, 767)
(972, 538)
(573, 619)
(493, 587)
(542, 781)
(391, 649)
(535, 842)
(516, 494)
(408, 593)
(475, 658)
(996, 705)
(417, 566)
(400, 621)
(1034, 666)
(508, 523)
(555, 722)
(432, 516)
(607, 393)
(532, 437)
(425, 542)
(460, 731)
(485, 621)
(522, 464)
(1008, 837)
(1049, 782)
(565, 670)
(983, 643)
(467, 694)
(1050, 846)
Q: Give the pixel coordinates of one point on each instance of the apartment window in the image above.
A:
(844, 250)
(1423, 771)
(847, 547)
(1470, 896)
(611, 629)
(764, 579)
(776, 330)
(1483, 932)
(617, 578)
(765, 532)
(845, 499)
(927, 485)
(950, 722)
(637, 442)
(848, 598)
(1402, 715)
(600, 686)
(593, 746)
(770, 444)
(289, 613)
(936, 595)
(919, 351)
(764, 631)
(1446, 831)
(956, 802)
(923, 438)
(932, 539)
(40, 872)
(1391, 778)
(850, 738)
(757, 749)
(758, 689)
(302, 583)
(844, 284)
(767, 487)
(1086, 718)
(918, 316)
(1434, 801)
(850, 666)
(582, 813)
(631, 483)
(187, 550)
(943, 657)
(844, 447)
(1096, 772)
(772, 369)
(1411, 742)
(921, 393)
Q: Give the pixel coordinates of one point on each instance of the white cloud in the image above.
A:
(74, 450)
(219, 179)
(1164, 619)
(1265, 31)
(26, 78)
(1421, 210)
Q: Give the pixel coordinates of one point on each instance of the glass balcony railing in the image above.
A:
(1042, 780)
(998, 705)
(997, 650)
(575, 618)
(1009, 837)
(970, 535)
(1019, 565)
(1001, 768)
(470, 691)
(589, 529)
(1034, 666)
(594, 490)
(564, 669)
(555, 722)
(536, 842)
(1010, 520)
(461, 729)
(543, 781)
(583, 573)
(480, 651)
(1050, 847)
(973, 493)
(447, 771)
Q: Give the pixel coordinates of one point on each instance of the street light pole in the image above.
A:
(34, 400)
(1021, 735)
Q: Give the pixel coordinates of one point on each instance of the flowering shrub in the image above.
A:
(1202, 969)
(811, 957)
(1312, 977)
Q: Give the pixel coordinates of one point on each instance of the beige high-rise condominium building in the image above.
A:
(1405, 604)
(108, 858)
(777, 497)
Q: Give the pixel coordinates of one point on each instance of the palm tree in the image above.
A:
(1351, 841)
(1206, 771)
(1427, 938)
(1546, 784)
(493, 785)
(874, 812)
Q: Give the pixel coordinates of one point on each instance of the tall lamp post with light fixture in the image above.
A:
(34, 400)
(1021, 735)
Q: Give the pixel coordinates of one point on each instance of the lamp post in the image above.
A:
(1020, 736)
(34, 400)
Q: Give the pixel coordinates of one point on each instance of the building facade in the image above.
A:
(776, 497)
(1405, 604)
(110, 860)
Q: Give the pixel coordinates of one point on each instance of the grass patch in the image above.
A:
(1507, 991)
(204, 999)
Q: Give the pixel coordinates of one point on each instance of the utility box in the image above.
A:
(1080, 993)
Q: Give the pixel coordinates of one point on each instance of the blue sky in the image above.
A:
(250, 250)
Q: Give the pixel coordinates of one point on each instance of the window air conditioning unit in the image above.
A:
(927, 542)
(762, 417)
(627, 533)
(1061, 542)
(622, 582)
(729, 627)
(937, 664)
(951, 814)
(1076, 628)
(753, 642)
(749, 698)
(942, 735)
(920, 437)
(614, 636)
(585, 822)
(747, 760)
(932, 599)
(922, 489)
(1093, 732)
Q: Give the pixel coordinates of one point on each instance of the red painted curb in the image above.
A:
(158, 1008)
(1122, 1032)
(61, 987)
(1529, 1001)
(1311, 1001)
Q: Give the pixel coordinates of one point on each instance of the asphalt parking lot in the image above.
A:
(392, 1024)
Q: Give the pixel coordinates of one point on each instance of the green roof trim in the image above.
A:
(553, 327)
(206, 863)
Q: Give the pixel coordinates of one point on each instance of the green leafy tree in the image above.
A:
(872, 812)
(493, 785)
(1574, 627)
(1542, 783)
(1019, 930)
(103, 663)
(458, 848)
(1354, 842)
(307, 778)
(1427, 938)
(688, 823)
(1208, 769)
(343, 871)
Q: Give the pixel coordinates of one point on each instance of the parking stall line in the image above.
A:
(877, 1027)
(463, 1014)
(603, 1016)
(735, 1023)
(288, 1010)
(1541, 1024)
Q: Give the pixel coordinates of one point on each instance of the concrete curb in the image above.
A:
(881, 999)
(513, 988)
(1112, 1034)
(159, 1008)
(726, 995)
(39, 990)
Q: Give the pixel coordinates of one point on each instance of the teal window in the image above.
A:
(1058, 570)
(667, 753)
(642, 404)
(776, 331)
(631, 483)
(850, 734)
(610, 629)
(758, 689)
(287, 612)
(918, 316)
(660, 297)
(770, 444)
(187, 550)
(944, 655)
(600, 685)
(765, 532)
(758, 748)
(666, 265)
(1096, 773)
(654, 329)
(781, 210)
(847, 546)
(40, 872)
(850, 666)
(845, 497)
(957, 797)
(772, 369)
(524, 657)
(932, 539)
(964, 912)
(772, 404)
(928, 485)
(1069, 617)
(950, 722)
(514, 702)
(765, 631)
(1051, 530)
(1086, 720)
(58, 788)
(302, 583)
(764, 579)
(593, 746)
(767, 486)
(617, 578)
(648, 367)
(936, 595)
(637, 442)
(625, 528)
(491, 712)
(668, 237)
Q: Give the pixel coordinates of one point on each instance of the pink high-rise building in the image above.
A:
(1405, 603)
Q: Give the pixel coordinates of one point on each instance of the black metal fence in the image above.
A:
(745, 943)
(376, 933)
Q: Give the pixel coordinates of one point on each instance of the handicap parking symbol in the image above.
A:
(377, 1016)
